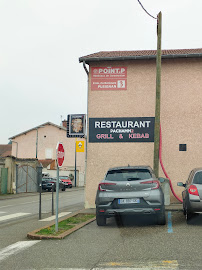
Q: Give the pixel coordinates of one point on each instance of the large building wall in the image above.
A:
(181, 100)
(181, 115)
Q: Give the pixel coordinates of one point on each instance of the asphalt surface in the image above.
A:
(128, 243)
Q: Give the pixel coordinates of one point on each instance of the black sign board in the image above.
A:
(77, 124)
(126, 129)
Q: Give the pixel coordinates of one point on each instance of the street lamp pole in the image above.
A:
(36, 141)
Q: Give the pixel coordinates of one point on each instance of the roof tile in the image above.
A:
(114, 54)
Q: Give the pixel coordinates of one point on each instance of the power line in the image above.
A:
(146, 10)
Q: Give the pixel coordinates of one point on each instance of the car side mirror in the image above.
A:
(180, 184)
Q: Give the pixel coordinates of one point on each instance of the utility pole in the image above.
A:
(158, 97)
(36, 141)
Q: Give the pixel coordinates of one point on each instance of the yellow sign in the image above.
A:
(79, 146)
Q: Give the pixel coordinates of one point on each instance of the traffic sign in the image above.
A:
(60, 154)
(79, 146)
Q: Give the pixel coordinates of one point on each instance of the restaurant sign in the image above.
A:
(127, 129)
(108, 78)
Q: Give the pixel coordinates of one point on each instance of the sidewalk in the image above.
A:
(20, 195)
(174, 207)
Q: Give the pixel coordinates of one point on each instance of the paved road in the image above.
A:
(18, 216)
(20, 207)
(131, 245)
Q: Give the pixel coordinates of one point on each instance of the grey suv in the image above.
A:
(129, 191)
(192, 194)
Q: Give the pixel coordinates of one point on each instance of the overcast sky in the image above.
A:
(41, 41)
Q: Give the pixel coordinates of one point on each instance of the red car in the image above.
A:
(66, 180)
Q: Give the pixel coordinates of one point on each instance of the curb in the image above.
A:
(32, 235)
(174, 207)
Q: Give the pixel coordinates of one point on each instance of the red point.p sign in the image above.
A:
(60, 154)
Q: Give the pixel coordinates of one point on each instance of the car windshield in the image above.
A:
(64, 177)
(128, 175)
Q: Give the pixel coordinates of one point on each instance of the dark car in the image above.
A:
(192, 194)
(49, 183)
(66, 180)
(129, 191)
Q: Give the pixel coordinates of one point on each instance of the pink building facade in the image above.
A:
(41, 142)
(122, 86)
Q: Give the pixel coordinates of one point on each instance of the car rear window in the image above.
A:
(46, 179)
(198, 178)
(128, 175)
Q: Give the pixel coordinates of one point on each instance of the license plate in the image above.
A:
(126, 201)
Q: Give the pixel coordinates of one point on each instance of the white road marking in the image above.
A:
(15, 248)
(53, 217)
(11, 216)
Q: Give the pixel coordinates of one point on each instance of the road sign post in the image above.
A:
(60, 154)
(75, 168)
(79, 147)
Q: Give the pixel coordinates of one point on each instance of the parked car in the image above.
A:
(192, 194)
(49, 183)
(66, 180)
(129, 191)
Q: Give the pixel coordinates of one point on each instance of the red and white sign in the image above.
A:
(109, 78)
(60, 154)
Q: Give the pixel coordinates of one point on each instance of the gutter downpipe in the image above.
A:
(164, 171)
(87, 72)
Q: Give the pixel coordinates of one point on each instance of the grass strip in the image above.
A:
(65, 225)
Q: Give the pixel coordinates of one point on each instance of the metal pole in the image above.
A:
(158, 98)
(57, 199)
(75, 166)
(36, 141)
(16, 178)
(52, 200)
(40, 188)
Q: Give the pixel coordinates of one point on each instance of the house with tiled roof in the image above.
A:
(121, 111)
(40, 143)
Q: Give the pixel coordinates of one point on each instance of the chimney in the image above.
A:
(64, 123)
